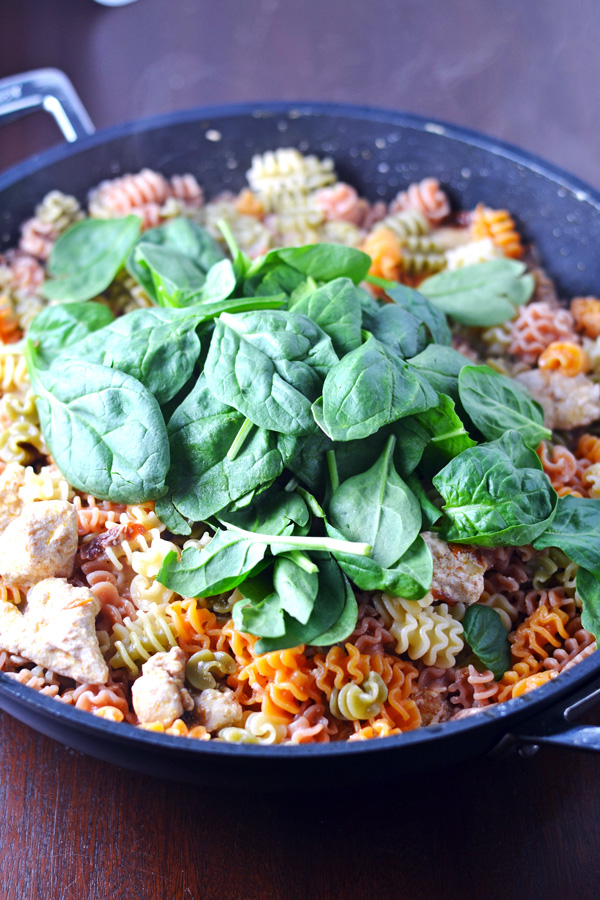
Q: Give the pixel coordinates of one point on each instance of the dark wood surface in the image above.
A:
(72, 828)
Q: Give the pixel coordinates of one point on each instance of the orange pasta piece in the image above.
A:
(564, 357)
(565, 472)
(340, 667)
(586, 313)
(10, 331)
(531, 682)
(383, 247)
(589, 448)
(498, 225)
(248, 204)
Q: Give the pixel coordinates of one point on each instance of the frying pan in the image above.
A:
(379, 152)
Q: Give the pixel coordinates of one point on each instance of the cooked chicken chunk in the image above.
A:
(568, 402)
(11, 501)
(217, 709)
(433, 706)
(159, 695)
(457, 572)
(40, 543)
(56, 629)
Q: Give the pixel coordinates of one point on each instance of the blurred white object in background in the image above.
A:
(115, 2)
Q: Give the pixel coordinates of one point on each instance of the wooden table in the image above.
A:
(76, 829)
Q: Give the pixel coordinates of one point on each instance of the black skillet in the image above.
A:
(379, 152)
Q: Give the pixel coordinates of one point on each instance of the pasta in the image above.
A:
(406, 663)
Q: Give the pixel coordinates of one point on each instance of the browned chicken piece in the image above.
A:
(217, 709)
(159, 695)
(457, 571)
(57, 630)
(40, 543)
(434, 708)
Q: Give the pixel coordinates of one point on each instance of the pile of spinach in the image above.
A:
(275, 401)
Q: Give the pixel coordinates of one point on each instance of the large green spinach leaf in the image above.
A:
(484, 294)
(270, 366)
(219, 567)
(64, 325)
(322, 262)
(335, 308)
(495, 404)
(157, 346)
(202, 479)
(441, 366)
(496, 495)
(182, 238)
(377, 508)
(575, 529)
(104, 429)
(86, 258)
(369, 388)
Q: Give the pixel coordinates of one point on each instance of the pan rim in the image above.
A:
(305, 108)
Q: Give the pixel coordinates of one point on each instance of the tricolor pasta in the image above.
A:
(208, 666)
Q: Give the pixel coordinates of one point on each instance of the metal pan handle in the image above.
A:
(557, 726)
(48, 89)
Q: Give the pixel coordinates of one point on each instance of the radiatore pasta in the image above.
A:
(182, 665)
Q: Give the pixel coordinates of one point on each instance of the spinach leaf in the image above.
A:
(309, 460)
(377, 508)
(343, 626)
(272, 513)
(86, 258)
(181, 236)
(157, 346)
(269, 365)
(441, 366)
(177, 279)
(495, 404)
(588, 588)
(484, 294)
(219, 567)
(369, 388)
(258, 586)
(335, 308)
(487, 637)
(575, 529)
(168, 515)
(422, 309)
(447, 433)
(104, 429)
(394, 326)
(264, 618)
(322, 262)
(409, 577)
(58, 327)
(202, 480)
(354, 457)
(329, 605)
(297, 589)
(430, 512)
(282, 279)
(220, 283)
(496, 495)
